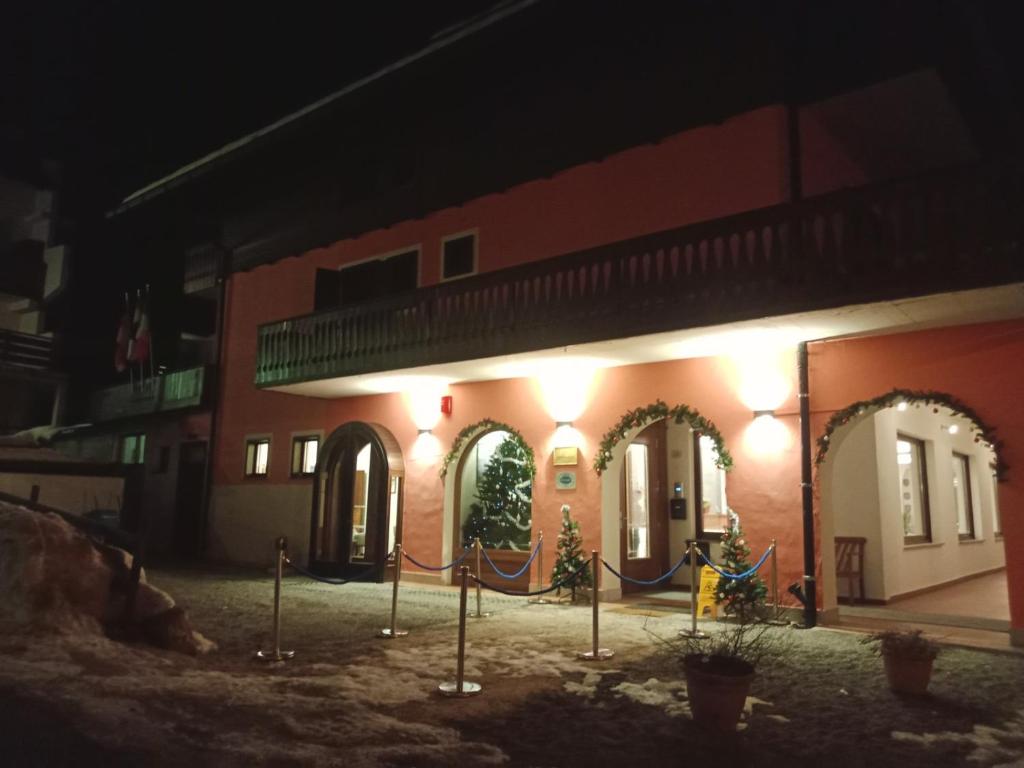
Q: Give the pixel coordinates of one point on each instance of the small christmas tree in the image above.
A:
(743, 598)
(570, 555)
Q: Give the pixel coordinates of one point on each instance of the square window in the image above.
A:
(257, 457)
(458, 256)
(304, 454)
(133, 449)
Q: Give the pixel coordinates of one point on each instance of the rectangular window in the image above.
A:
(714, 512)
(257, 457)
(638, 527)
(133, 449)
(913, 490)
(995, 504)
(458, 256)
(962, 496)
(304, 453)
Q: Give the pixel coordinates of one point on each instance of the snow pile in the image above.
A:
(54, 578)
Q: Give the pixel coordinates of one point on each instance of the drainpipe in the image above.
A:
(810, 596)
(222, 284)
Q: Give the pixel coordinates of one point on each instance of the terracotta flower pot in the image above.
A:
(908, 675)
(717, 688)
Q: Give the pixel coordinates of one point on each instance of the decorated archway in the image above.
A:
(610, 459)
(494, 500)
(905, 480)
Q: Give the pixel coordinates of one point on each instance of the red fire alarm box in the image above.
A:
(446, 405)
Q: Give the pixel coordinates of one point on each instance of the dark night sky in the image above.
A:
(124, 91)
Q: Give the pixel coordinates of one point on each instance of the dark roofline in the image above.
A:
(439, 41)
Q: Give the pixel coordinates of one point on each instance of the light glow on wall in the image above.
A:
(426, 448)
(423, 399)
(764, 369)
(767, 435)
(566, 386)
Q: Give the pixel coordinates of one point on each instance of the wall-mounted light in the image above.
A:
(765, 413)
(901, 405)
(560, 424)
(424, 432)
(952, 428)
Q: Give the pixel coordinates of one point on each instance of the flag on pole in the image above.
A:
(124, 338)
(139, 350)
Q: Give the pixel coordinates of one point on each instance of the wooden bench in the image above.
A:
(850, 563)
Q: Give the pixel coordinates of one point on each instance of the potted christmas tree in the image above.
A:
(570, 555)
(719, 670)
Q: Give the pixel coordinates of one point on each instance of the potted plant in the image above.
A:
(719, 671)
(908, 658)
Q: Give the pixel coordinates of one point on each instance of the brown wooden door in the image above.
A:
(643, 508)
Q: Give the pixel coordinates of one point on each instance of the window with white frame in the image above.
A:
(257, 456)
(913, 490)
(304, 453)
(962, 497)
(458, 256)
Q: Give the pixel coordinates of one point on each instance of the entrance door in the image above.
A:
(644, 508)
(356, 495)
(188, 503)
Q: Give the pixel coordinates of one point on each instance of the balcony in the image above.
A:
(172, 391)
(944, 232)
(26, 351)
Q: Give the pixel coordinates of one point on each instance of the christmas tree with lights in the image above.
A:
(743, 598)
(570, 556)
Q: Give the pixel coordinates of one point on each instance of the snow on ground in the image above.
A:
(351, 699)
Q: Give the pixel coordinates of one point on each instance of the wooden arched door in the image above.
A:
(357, 501)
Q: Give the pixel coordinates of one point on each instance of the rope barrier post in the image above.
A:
(777, 610)
(540, 571)
(596, 653)
(479, 575)
(694, 597)
(392, 632)
(277, 655)
(461, 687)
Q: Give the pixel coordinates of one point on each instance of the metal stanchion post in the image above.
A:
(393, 631)
(461, 687)
(596, 653)
(694, 597)
(277, 654)
(479, 575)
(540, 600)
(777, 610)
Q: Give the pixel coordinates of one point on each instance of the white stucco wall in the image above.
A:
(865, 501)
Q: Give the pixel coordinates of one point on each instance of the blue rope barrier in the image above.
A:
(564, 581)
(452, 564)
(520, 572)
(336, 582)
(737, 576)
(645, 583)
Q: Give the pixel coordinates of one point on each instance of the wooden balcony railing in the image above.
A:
(944, 232)
(26, 350)
(168, 392)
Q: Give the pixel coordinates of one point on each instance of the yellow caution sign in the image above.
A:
(708, 589)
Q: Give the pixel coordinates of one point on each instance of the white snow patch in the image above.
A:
(668, 696)
(1000, 747)
(588, 688)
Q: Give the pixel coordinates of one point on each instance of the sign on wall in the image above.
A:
(565, 481)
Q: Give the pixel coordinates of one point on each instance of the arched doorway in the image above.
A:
(357, 501)
(910, 517)
(663, 484)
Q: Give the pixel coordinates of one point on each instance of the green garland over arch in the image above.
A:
(490, 425)
(640, 417)
(983, 433)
